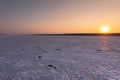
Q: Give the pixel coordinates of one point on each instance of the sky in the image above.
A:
(58, 16)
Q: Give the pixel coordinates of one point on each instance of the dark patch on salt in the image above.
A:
(58, 49)
(98, 51)
(22, 49)
(39, 57)
(52, 66)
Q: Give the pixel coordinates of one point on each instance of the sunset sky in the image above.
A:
(59, 16)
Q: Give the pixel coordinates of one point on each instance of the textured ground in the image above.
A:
(32, 57)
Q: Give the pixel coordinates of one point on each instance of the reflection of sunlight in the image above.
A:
(104, 44)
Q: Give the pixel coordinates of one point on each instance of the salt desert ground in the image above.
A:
(38, 57)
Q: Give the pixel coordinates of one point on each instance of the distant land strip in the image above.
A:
(3, 34)
(82, 34)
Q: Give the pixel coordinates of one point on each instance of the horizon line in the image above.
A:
(67, 34)
(84, 34)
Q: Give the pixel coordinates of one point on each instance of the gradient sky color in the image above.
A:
(59, 16)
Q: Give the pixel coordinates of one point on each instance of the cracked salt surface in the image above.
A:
(30, 57)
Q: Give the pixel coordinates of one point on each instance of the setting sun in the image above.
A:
(105, 29)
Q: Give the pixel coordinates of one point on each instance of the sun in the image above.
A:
(105, 29)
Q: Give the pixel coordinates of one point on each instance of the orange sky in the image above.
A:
(59, 16)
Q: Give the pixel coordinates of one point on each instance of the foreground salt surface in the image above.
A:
(32, 57)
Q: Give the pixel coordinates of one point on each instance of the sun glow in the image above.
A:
(105, 29)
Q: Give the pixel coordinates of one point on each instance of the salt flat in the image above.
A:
(35, 57)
